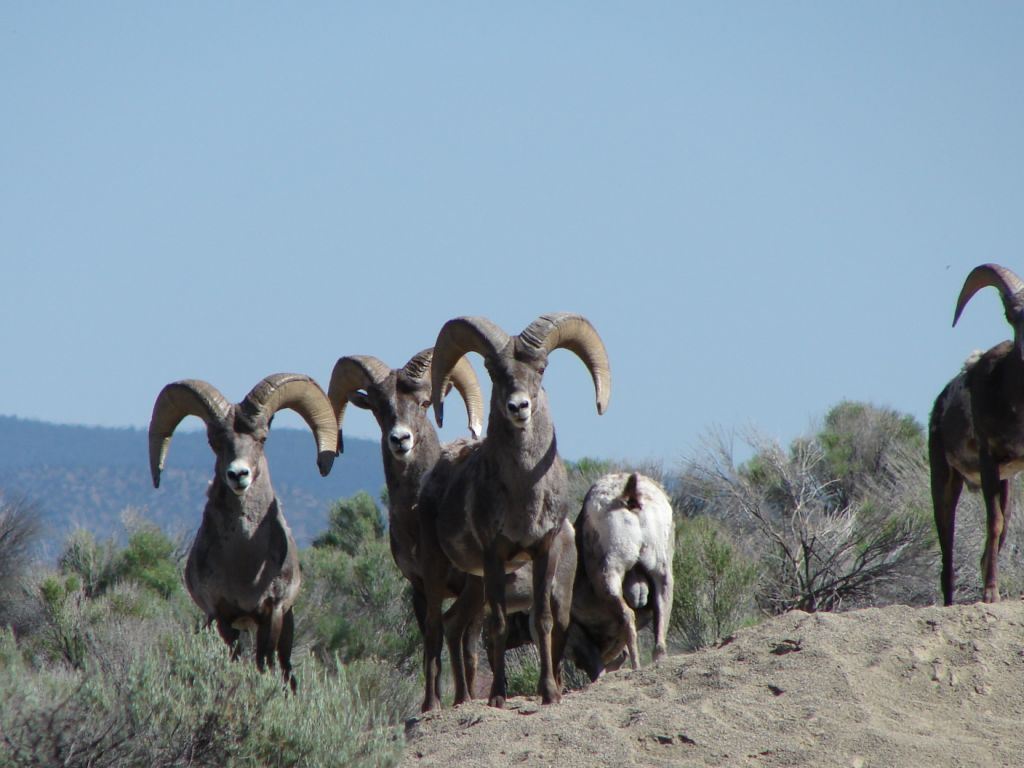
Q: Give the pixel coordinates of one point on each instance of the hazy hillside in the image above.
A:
(87, 476)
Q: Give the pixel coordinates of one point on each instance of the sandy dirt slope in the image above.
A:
(890, 686)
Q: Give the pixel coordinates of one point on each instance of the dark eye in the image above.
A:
(425, 404)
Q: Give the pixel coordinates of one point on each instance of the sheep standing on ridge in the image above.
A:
(243, 567)
(507, 501)
(976, 431)
(624, 538)
(399, 400)
(462, 620)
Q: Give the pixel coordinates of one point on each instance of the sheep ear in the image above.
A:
(631, 494)
(360, 400)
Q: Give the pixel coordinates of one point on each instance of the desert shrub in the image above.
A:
(522, 670)
(150, 559)
(583, 474)
(715, 584)
(19, 531)
(858, 443)
(838, 520)
(355, 603)
(351, 523)
(182, 702)
(95, 563)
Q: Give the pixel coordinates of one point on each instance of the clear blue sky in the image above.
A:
(764, 208)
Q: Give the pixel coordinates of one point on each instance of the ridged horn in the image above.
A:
(985, 275)
(418, 366)
(189, 397)
(462, 377)
(455, 340)
(304, 396)
(562, 330)
(352, 373)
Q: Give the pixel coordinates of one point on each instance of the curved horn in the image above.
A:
(463, 377)
(1007, 282)
(189, 397)
(351, 373)
(562, 330)
(419, 364)
(304, 396)
(457, 338)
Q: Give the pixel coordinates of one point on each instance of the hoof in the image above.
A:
(554, 698)
(431, 704)
(498, 702)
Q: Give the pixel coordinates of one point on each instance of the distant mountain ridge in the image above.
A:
(87, 476)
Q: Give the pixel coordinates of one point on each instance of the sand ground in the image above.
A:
(893, 686)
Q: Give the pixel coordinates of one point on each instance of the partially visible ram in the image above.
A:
(976, 431)
(243, 566)
(399, 400)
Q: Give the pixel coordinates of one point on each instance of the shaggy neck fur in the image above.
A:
(516, 451)
(403, 477)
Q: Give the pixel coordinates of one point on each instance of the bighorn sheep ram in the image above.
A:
(243, 567)
(624, 538)
(506, 503)
(462, 620)
(976, 431)
(399, 400)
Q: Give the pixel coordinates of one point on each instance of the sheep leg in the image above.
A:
(663, 587)
(946, 485)
(434, 569)
(230, 636)
(559, 633)
(494, 587)
(458, 619)
(545, 563)
(561, 607)
(419, 608)
(1006, 500)
(284, 649)
(432, 641)
(613, 589)
(268, 635)
(471, 646)
(992, 489)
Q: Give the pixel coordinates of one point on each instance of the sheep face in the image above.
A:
(239, 453)
(516, 392)
(399, 404)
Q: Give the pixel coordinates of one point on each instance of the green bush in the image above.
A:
(351, 523)
(182, 702)
(715, 585)
(357, 606)
(95, 563)
(150, 559)
(354, 602)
